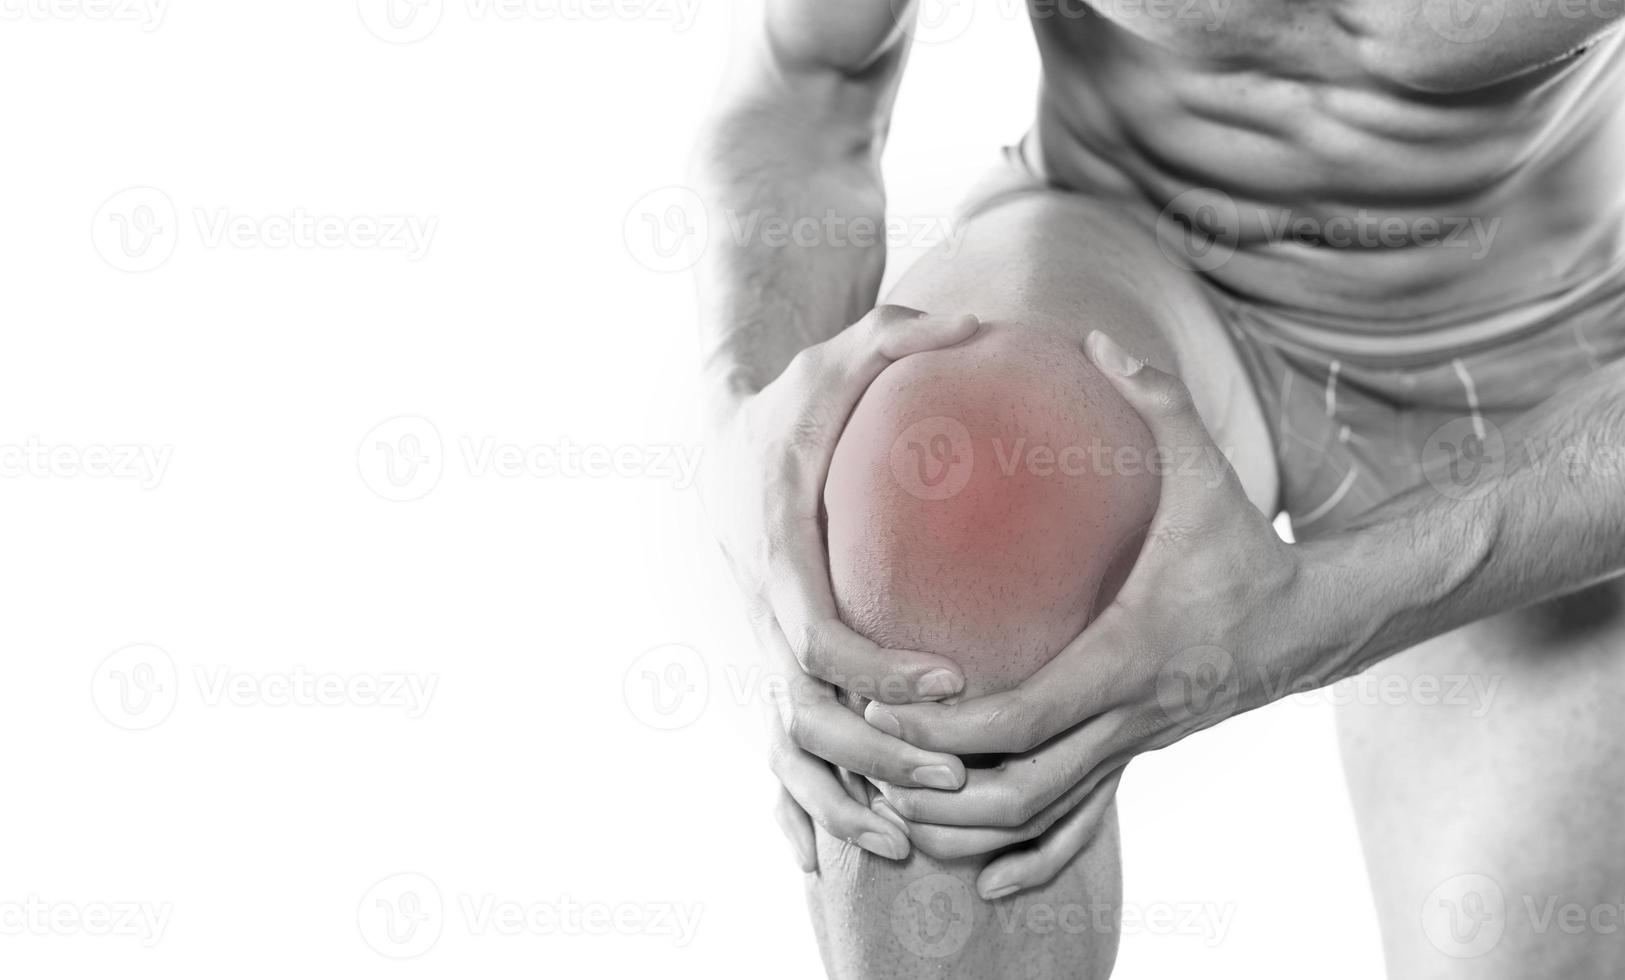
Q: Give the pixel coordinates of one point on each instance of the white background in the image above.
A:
(268, 828)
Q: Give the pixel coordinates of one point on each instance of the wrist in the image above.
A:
(1395, 582)
(1341, 589)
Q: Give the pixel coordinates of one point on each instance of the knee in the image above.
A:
(984, 500)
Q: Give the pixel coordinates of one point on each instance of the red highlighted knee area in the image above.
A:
(984, 500)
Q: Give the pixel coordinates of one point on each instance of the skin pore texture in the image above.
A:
(982, 502)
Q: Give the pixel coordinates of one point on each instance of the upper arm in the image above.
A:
(852, 37)
(835, 62)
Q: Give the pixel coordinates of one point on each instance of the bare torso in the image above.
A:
(1385, 161)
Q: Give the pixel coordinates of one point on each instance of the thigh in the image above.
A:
(1070, 263)
(1484, 771)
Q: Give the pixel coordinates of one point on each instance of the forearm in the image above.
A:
(790, 173)
(1550, 521)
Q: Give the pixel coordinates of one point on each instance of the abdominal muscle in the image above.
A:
(1330, 179)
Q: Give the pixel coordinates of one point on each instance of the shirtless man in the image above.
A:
(1370, 250)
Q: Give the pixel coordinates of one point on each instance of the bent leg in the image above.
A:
(1494, 850)
(981, 503)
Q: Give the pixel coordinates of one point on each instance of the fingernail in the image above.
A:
(1000, 892)
(937, 777)
(1110, 357)
(881, 717)
(883, 845)
(938, 683)
(883, 809)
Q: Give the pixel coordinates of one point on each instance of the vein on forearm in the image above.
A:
(1552, 522)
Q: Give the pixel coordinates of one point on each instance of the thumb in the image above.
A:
(890, 333)
(1187, 453)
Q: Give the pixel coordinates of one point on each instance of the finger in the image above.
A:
(1083, 680)
(798, 829)
(799, 592)
(813, 786)
(815, 395)
(832, 732)
(817, 722)
(817, 391)
(950, 843)
(1020, 788)
(889, 333)
(1029, 868)
(1186, 453)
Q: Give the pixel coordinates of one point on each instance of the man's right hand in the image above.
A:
(769, 454)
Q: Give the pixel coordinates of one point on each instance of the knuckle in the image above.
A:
(807, 640)
(1015, 724)
(905, 803)
(1011, 808)
(873, 763)
(888, 314)
(840, 821)
(778, 756)
(952, 844)
(804, 367)
(934, 842)
(805, 439)
(797, 725)
(1172, 397)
